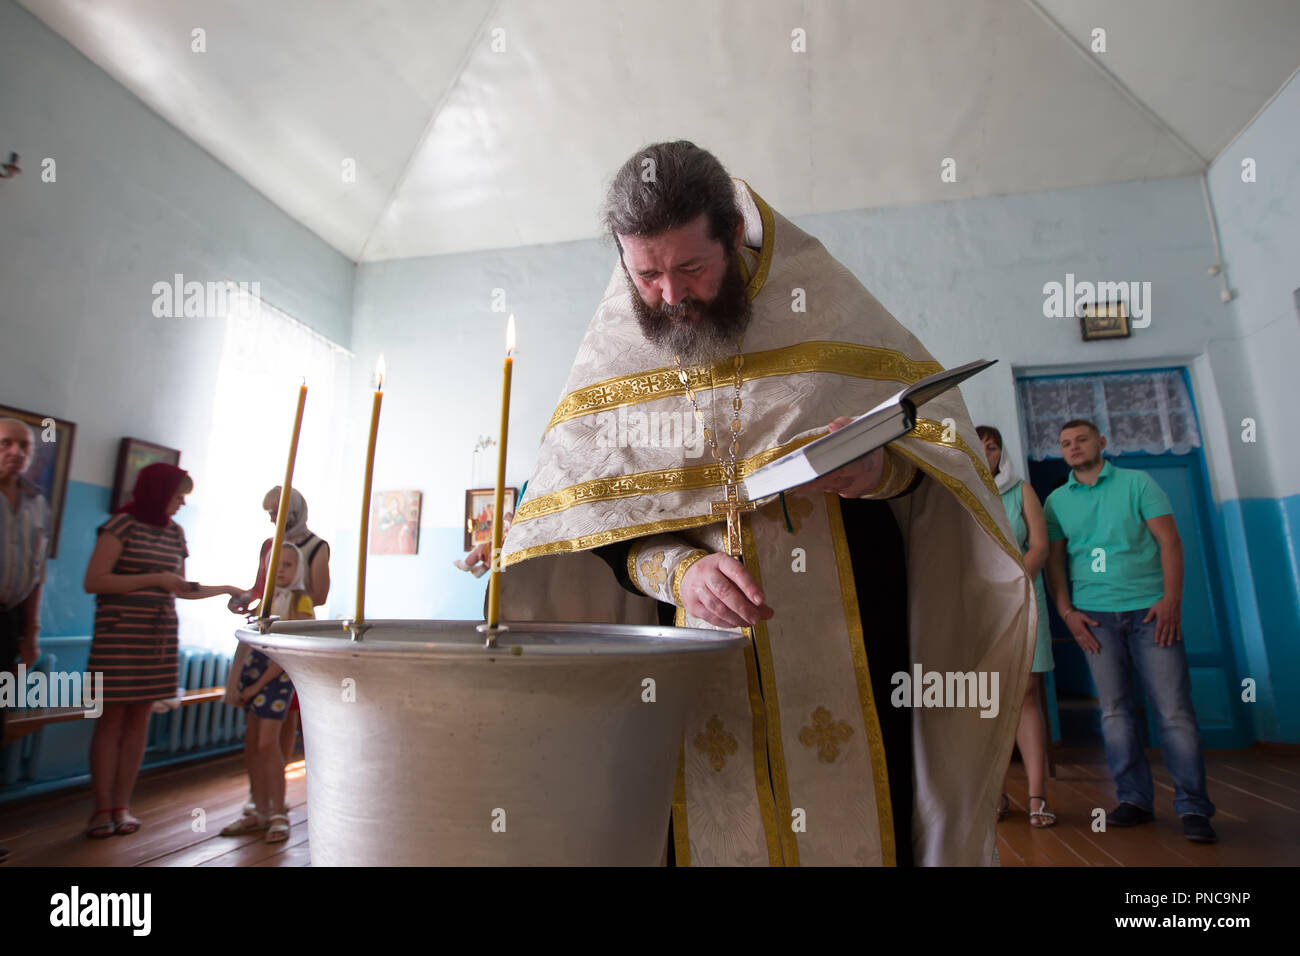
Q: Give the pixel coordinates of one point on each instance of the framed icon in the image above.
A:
(478, 513)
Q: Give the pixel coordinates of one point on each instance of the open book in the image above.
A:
(892, 418)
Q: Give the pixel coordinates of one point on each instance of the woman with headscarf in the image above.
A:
(1029, 527)
(315, 551)
(135, 572)
(316, 560)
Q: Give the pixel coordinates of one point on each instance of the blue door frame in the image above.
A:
(1211, 648)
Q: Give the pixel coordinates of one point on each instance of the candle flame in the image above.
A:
(379, 372)
(510, 335)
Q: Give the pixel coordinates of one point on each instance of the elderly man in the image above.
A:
(802, 749)
(24, 533)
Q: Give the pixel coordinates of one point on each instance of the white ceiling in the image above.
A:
(460, 146)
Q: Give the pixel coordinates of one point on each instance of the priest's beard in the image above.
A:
(698, 332)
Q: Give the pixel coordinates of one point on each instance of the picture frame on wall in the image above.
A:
(50, 462)
(1105, 320)
(478, 513)
(134, 454)
(395, 522)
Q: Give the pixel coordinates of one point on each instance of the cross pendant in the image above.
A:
(733, 507)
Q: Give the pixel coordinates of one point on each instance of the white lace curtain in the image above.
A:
(1136, 411)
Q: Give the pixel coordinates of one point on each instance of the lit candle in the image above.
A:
(498, 528)
(282, 512)
(365, 491)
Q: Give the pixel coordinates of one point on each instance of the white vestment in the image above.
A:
(782, 759)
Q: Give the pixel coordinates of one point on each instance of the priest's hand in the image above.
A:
(857, 477)
(719, 590)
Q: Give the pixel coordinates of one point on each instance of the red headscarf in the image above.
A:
(154, 487)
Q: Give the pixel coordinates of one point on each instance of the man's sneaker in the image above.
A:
(1197, 829)
(1128, 815)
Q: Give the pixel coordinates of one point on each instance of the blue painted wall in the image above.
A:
(1259, 225)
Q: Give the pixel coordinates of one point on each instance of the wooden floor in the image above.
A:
(1257, 794)
(48, 831)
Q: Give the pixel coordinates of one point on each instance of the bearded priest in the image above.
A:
(811, 745)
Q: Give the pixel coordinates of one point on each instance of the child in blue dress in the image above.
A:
(265, 691)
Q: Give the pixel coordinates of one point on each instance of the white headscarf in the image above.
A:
(295, 522)
(1006, 478)
(282, 601)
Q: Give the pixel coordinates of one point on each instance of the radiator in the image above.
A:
(199, 726)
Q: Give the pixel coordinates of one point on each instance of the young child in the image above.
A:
(265, 690)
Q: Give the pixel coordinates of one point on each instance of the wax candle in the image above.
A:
(365, 491)
(282, 512)
(498, 527)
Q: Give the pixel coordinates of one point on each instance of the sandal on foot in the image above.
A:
(1043, 817)
(127, 825)
(100, 831)
(278, 830)
(1004, 807)
(248, 823)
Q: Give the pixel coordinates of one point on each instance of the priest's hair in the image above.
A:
(667, 185)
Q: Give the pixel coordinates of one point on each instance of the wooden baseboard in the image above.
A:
(1276, 749)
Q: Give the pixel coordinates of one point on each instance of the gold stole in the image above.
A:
(783, 760)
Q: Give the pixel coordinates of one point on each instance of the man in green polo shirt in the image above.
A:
(1125, 563)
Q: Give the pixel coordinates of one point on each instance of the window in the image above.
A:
(265, 356)
(1148, 412)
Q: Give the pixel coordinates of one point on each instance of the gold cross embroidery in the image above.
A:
(733, 507)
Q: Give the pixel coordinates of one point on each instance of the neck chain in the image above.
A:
(731, 505)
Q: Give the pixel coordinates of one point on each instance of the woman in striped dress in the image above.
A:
(135, 572)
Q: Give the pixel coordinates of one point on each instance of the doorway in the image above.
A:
(1149, 420)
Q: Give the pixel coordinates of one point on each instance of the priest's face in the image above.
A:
(689, 295)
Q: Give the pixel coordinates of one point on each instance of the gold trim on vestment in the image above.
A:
(862, 670)
(631, 567)
(679, 572)
(689, 478)
(964, 495)
(599, 539)
(766, 673)
(681, 837)
(762, 784)
(927, 429)
(769, 244)
(836, 358)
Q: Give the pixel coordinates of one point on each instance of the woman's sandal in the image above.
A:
(126, 826)
(100, 831)
(248, 823)
(1004, 807)
(1043, 817)
(278, 831)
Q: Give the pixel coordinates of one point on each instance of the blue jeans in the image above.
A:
(1127, 643)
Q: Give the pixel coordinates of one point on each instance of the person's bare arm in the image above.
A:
(100, 578)
(1036, 556)
(193, 591)
(1058, 583)
(1167, 611)
(320, 575)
